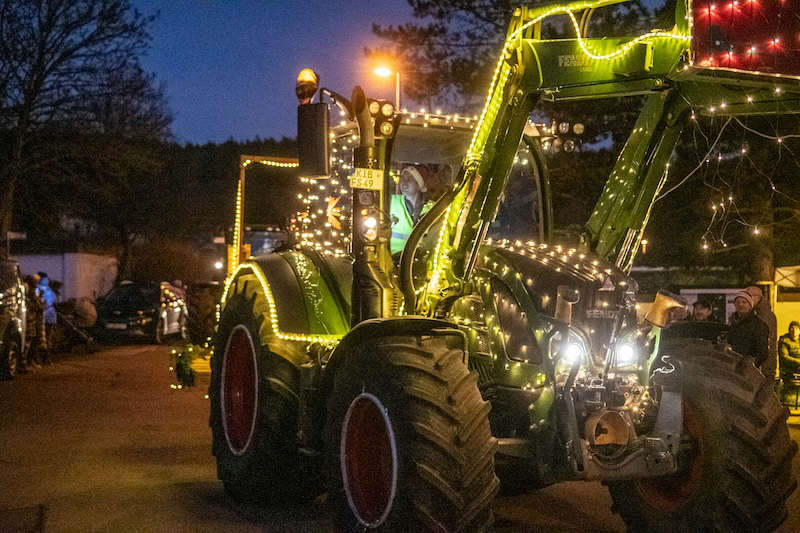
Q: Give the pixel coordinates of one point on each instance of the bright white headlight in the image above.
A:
(626, 353)
(573, 352)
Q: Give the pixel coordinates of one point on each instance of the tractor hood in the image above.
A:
(542, 270)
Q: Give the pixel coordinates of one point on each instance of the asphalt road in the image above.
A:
(102, 443)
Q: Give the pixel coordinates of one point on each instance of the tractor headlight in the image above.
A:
(374, 107)
(573, 352)
(626, 353)
(386, 128)
(370, 225)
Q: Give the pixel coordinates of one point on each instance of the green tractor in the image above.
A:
(411, 389)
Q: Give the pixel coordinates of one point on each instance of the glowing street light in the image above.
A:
(384, 72)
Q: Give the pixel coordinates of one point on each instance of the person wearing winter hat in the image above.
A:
(408, 206)
(762, 310)
(748, 333)
(789, 350)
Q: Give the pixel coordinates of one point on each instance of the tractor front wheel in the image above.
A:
(409, 444)
(735, 466)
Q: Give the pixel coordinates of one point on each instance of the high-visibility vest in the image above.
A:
(402, 223)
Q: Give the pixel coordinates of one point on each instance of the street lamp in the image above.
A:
(384, 72)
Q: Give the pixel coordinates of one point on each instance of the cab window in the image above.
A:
(520, 343)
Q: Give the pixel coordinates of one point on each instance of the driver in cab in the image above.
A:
(408, 206)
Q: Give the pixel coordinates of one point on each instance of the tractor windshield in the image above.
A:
(519, 213)
(434, 152)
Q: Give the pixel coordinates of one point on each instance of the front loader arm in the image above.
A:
(617, 222)
(657, 64)
(525, 73)
(485, 169)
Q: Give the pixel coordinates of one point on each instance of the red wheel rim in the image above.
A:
(670, 493)
(368, 460)
(239, 390)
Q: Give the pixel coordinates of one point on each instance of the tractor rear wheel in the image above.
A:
(735, 467)
(253, 428)
(408, 441)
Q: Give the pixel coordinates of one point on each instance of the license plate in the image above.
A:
(116, 326)
(367, 178)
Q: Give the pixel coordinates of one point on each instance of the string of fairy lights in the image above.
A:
(728, 171)
(323, 221)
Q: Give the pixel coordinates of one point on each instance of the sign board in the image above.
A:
(367, 178)
(16, 236)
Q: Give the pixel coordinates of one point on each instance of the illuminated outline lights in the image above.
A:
(273, 310)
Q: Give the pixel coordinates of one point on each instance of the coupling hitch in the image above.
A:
(654, 454)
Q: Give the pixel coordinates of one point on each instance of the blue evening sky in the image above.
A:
(230, 65)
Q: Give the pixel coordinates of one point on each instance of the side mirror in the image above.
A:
(313, 141)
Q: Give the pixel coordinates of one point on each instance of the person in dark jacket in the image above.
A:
(48, 297)
(789, 351)
(763, 311)
(35, 336)
(748, 334)
(702, 311)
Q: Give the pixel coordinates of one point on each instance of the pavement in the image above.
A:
(102, 442)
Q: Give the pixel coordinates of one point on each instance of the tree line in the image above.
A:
(85, 136)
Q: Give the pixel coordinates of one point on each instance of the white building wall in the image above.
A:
(82, 275)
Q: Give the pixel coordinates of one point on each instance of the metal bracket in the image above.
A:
(657, 454)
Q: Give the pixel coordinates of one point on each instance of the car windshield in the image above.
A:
(263, 241)
(133, 295)
(8, 275)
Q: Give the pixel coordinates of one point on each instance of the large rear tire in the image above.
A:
(253, 428)
(737, 473)
(409, 446)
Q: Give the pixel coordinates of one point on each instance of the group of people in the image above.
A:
(753, 332)
(41, 319)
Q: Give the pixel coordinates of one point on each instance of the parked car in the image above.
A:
(12, 318)
(143, 310)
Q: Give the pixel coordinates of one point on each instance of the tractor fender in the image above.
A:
(381, 327)
(292, 298)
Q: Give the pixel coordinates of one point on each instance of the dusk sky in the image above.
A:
(230, 66)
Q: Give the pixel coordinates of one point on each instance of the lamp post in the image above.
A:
(384, 72)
